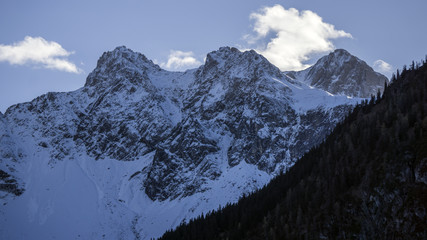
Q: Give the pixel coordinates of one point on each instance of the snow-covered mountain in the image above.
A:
(139, 149)
(342, 73)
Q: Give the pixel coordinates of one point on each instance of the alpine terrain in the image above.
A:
(139, 150)
(367, 180)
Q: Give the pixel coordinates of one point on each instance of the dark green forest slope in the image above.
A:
(367, 180)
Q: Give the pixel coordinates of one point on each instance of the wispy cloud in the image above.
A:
(383, 67)
(38, 52)
(179, 60)
(287, 37)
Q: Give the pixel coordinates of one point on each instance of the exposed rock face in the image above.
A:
(240, 97)
(342, 73)
(118, 66)
(10, 155)
(221, 130)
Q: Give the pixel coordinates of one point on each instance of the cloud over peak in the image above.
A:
(291, 36)
(38, 52)
(383, 67)
(179, 60)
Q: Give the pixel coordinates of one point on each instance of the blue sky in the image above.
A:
(71, 35)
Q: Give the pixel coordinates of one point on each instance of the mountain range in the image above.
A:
(139, 150)
(367, 180)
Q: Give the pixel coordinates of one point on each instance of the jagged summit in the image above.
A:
(122, 52)
(224, 54)
(121, 60)
(338, 73)
(344, 74)
(232, 62)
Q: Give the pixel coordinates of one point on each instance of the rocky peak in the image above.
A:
(338, 58)
(120, 61)
(344, 74)
(230, 62)
(124, 55)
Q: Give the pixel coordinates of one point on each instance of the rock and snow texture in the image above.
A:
(138, 149)
(9, 163)
(344, 74)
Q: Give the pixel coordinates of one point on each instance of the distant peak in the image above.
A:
(340, 51)
(340, 56)
(342, 73)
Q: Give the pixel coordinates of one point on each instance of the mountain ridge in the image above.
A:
(152, 148)
(367, 180)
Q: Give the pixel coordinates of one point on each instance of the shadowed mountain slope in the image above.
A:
(367, 180)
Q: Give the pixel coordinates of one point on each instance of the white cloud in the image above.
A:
(39, 52)
(291, 36)
(383, 67)
(179, 60)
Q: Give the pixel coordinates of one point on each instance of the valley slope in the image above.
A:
(367, 180)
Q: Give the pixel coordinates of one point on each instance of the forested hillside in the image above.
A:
(367, 180)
